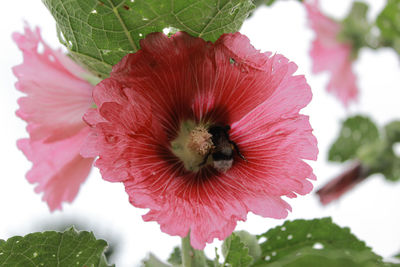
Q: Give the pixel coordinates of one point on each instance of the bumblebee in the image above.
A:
(223, 148)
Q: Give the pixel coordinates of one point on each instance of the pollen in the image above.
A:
(191, 145)
(200, 140)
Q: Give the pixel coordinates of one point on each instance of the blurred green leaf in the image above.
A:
(393, 173)
(356, 131)
(356, 28)
(392, 132)
(215, 262)
(235, 252)
(98, 33)
(359, 139)
(314, 243)
(176, 256)
(70, 248)
(153, 261)
(250, 241)
(388, 23)
(379, 157)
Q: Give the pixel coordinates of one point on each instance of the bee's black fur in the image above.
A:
(223, 147)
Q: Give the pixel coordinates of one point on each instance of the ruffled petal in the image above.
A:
(343, 80)
(229, 75)
(275, 147)
(56, 99)
(239, 78)
(326, 28)
(328, 54)
(141, 107)
(58, 168)
(209, 209)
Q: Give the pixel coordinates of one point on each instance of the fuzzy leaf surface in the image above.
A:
(70, 248)
(98, 33)
(317, 242)
(235, 252)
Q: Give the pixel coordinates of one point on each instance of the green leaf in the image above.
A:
(392, 132)
(258, 3)
(153, 261)
(314, 243)
(392, 172)
(356, 131)
(359, 139)
(98, 33)
(379, 156)
(267, 2)
(215, 262)
(250, 241)
(388, 23)
(176, 257)
(235, 252)
(70, 248)
(356, 28)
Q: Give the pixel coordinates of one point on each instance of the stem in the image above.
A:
(191, 257)
(187, 252)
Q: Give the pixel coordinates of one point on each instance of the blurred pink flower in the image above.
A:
(329, 54)
(56, 98)
(152, 130)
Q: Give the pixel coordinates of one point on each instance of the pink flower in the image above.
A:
(328, 54)
(159, 128)
(337, 187)
(56, 98)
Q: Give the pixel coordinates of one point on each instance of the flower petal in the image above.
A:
(275, 147)
(56, 100)
(148, 96)
(58, 169)
(328, 54)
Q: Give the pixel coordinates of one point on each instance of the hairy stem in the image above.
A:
(187, 252)
(191, 257)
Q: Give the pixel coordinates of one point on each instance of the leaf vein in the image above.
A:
(126, 31)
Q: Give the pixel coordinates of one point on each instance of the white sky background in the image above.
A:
(371, 210)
